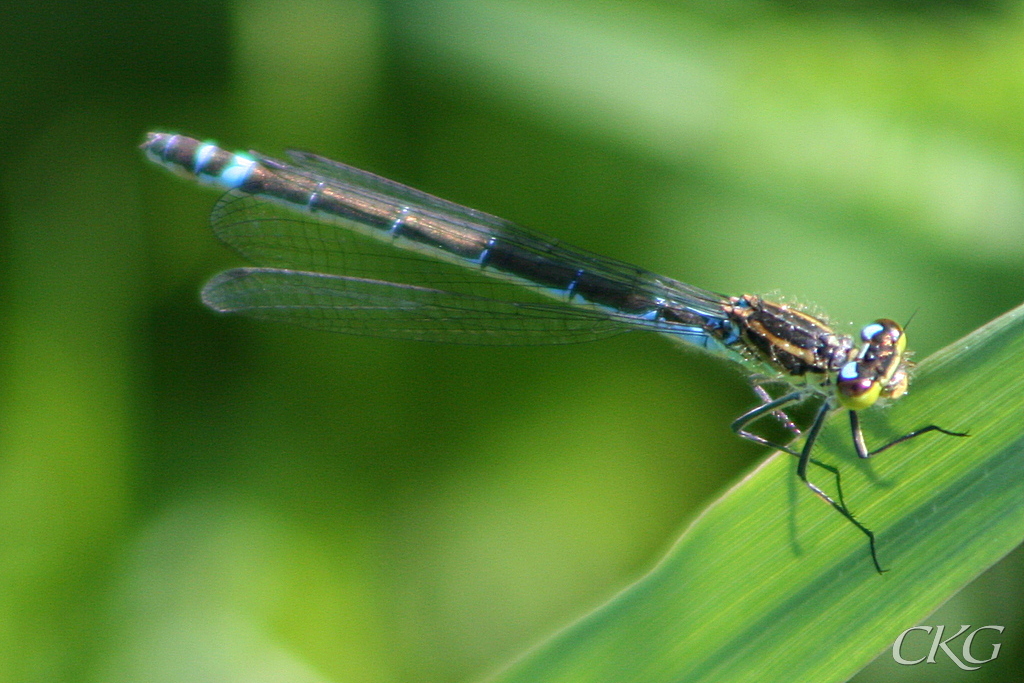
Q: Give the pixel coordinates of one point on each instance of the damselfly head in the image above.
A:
(879, 369)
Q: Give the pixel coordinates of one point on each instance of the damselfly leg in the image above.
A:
(775, 407)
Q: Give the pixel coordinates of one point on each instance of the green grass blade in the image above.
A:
(771, 584)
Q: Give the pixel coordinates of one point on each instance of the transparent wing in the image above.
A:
(385, 309)
(332, 272)
(347, 179)
(321, 168)
(268, 234)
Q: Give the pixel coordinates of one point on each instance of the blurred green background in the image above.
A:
(187, 497)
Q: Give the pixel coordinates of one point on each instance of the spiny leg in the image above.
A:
(773, 406)
(801, 471)
(779, 415)
(862, 449)
(839, 480)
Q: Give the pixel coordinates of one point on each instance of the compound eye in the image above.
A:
(882, 330)
(855, 391)
(869, 332)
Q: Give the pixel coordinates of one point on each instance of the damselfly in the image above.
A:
(344, 250)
